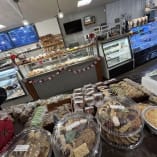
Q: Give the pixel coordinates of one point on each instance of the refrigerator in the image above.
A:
(117, 56)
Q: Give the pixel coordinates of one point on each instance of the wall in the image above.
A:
(49, 26)
(135, 8)
(98, 12)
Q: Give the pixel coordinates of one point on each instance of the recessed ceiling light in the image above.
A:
(60, 15)
(25, 22)
(2, 26)
(82, 3)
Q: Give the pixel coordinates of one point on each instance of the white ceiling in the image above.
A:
(38, 10)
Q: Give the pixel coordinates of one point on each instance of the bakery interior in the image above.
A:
(80, 78)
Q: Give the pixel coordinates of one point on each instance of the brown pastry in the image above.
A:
(81, 151)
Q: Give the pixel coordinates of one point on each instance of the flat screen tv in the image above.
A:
(73, 26)
(23, 35)
(144, 37)
(5, 42)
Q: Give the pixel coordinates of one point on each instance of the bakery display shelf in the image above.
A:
(52, 44)
(59, 67)
(64, 52)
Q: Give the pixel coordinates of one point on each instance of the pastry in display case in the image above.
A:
(77, 135)
(31, 142)
(55, 60)
(10, 82)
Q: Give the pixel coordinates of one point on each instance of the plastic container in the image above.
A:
(31, 142)
(75, 135)
(150, 117)
(121, 127)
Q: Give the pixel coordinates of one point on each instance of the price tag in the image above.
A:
(21, 148)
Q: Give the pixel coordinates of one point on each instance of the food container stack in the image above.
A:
(121, 127)
(77, 135)
(87, 99)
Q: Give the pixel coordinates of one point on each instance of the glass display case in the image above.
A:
(117, 51)
(9, 81)
(47, 62)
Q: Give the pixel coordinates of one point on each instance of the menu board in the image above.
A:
(117, 51)
(24, 35)
(144, 37)
(5, 42)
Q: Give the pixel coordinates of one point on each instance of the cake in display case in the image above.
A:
(77, 135)
(10, 82)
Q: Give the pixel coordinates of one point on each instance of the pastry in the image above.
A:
(81, 151)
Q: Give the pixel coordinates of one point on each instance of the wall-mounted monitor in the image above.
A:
(144, 37)
(73, 26)
(23, 35)
(5, 42)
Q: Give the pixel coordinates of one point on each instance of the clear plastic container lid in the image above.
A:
(119, 120)
(75, 135)
(31, 142)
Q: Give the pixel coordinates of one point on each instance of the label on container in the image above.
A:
(21, 148)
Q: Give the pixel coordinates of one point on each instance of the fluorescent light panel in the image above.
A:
(82, 3)
(2, 26)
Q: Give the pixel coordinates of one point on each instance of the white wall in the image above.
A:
(134, 8)
(98, 12)
(49, 26)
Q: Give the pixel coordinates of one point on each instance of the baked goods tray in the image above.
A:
(77, 134)
(30, 142)
(152, 128)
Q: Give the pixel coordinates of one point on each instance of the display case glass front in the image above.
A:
(117, 51)
(144, 37)
(51, 61)
(9, 81)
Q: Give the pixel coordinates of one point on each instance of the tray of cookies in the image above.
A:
(77, 135)
(31, 142)
(121, 126)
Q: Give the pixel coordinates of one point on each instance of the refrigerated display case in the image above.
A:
(49, 62)
(10, 82)
(68, 68)
(117, 56)
(144, 42)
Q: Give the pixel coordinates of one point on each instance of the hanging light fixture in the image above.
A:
(60, 13)
(24, 21)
